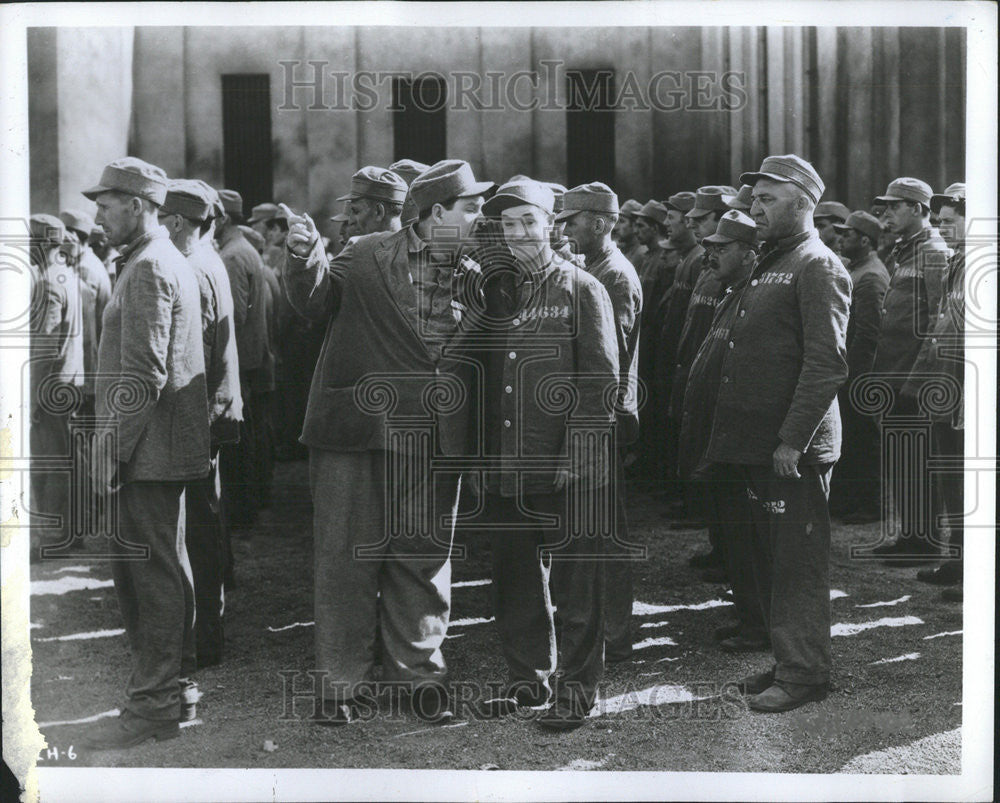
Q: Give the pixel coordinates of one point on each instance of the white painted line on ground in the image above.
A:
(471, 583)
(583, 764)
(937, 754)
(428, 730)
(289, 627)
(83, 636)
(66, 584)
(654, 624)
(112, 713)
(836, 593)
(33, 626)
(654, 695)
(456, 635)
(476, 620)
(852, 628)
(948, 633)
(646, 609)
(72, 569)
(661, 660)
(654, 642)
(884, 604)
(910, 656)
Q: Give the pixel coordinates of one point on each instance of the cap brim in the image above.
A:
(501, 201)
(339, 218)
(720, 239)
(938, 200)
(843, 228)
(566, 214)
(347, 197)
(698, 212)
(94, 191)
(477, 189)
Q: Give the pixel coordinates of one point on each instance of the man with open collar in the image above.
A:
(389, 302)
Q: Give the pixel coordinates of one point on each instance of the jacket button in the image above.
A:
(933, 340)
(506, 423)
(516, 322)
(731, 344)
(725, 380)
(753, 283)
(743, 312)
(512, 355)
(508, 389)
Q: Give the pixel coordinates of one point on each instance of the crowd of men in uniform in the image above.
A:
(522, 349)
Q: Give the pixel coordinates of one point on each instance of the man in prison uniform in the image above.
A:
(827, 216)
(385, 399)
(151, 390)
(588, 214)
(624, 233)
(917, 266)
(940, 366)
(239, 461)
(56, 377)
(549, 339)
(719, 487)
(776, 419)
(186, 214)
(854, 489)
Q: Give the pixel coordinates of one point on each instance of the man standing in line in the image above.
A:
(826, 218)
(854, 491)
(942, 356)
(776, 420)
(732, 253)
(624, 233)
(551, 337)
(390, 305)
(589, 212)
(242, 461)
(917, 266)
(151, 391)
(57, 364)
(186, 214)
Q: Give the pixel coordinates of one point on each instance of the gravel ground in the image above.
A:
(669, 709)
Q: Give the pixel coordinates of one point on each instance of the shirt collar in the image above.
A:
(140, 242)
(790, 242)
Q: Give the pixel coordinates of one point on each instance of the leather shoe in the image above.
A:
(705, 559)
(744, 643)
(129, 730)
(430, 703)
(755, 684)
(564, 715)
(947, 574)
(726, 631)
(782, 697)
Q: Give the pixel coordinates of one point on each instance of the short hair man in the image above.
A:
(186, 214)
(917, 267)
(624, 232)
(776, 420)
(244, 464)
(589, 215)
(375, 201)
(731, 253)
(389, 304)
(825, 218)
(152, 341)
(855, 486)
(941, 361)
(552, 328)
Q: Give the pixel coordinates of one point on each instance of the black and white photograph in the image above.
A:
(498, 401)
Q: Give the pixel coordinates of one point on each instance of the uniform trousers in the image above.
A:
(949, 486)
(206, 544)
(365, 574)
(155, 596)
(791, 567)
(618, 582)
(728, 510)
(49, 438)
(528, 582)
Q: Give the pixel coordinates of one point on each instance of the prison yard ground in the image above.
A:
(895, 706)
